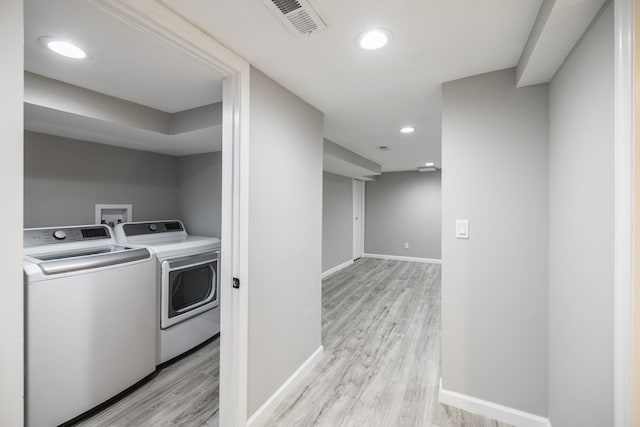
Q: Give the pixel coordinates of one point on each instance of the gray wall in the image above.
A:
(65, 179)
(494, 285)
(285, 240)
(11, 327)
(581, 241)
(200, 193)
(337, 220)
(403, 207)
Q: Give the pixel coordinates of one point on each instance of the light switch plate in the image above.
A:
(462, 228)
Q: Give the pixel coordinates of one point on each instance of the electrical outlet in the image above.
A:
(406, 245)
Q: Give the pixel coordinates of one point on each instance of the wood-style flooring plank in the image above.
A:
(184, 393)
(381, 366)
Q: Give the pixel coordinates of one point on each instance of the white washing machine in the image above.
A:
(188, 283)
(89, 323)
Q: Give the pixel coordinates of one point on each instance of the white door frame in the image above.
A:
(623, 211)
(153, 17)
(358, 240)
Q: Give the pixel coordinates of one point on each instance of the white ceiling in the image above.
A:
(124, 63)
(559, 26)
(367, 96)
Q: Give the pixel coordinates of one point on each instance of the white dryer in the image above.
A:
(188, 283)
(89, 320)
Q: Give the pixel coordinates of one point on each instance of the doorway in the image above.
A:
(163, 25)
(358, 219)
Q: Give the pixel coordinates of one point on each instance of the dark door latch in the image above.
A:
(236, 283)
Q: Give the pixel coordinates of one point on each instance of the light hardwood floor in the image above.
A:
(183, 394)
(381, 366)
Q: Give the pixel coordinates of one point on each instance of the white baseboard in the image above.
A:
(337, 268)
(492, 410)
(403, 258)
(262, 414)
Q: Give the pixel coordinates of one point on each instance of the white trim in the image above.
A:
(262, 414)
(335, 269)
(491, 410)
(623, 213)
(403, 258)
(241, 256)
(157, 19)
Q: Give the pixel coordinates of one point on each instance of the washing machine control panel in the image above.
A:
(47, 236)
(59, 234)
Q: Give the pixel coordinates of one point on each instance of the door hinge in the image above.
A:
(236, 283)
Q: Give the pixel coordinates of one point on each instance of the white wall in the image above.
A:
(11, 287)
(581, 232)
(200, 193)
(403, 207)
(337, 220)
(66, 178)
(285, 241)
(494, 285)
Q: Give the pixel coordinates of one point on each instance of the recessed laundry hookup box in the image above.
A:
(113, 215)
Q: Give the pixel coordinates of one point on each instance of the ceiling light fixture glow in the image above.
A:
(407, 129)
(62, 47)
(429, 164)
(374, 38)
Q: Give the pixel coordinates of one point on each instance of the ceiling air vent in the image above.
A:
(297, 15)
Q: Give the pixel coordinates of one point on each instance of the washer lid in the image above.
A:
(77, 260)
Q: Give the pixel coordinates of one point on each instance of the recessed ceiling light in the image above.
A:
(374, 38)
(407, 129)
(429, 164)
(62, 47)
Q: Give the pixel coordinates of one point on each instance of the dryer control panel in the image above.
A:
(138, 228)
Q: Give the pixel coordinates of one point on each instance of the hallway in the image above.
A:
(381, 364)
